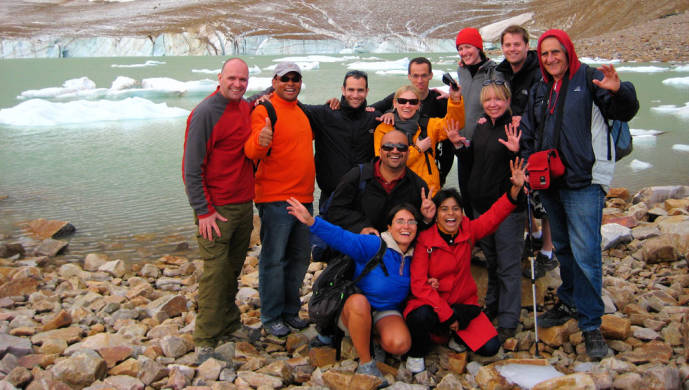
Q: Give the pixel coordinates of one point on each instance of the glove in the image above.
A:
(465, 313)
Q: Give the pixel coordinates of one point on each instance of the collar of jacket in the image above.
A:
(436, 241)
(503, 120)
(349, 110)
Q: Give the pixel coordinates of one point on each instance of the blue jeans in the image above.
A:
(285, 252)
(575, 221)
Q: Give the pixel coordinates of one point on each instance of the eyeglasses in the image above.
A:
(285, 78)
(403, 101)
(402, 221)
(389, 147)
(496, 82)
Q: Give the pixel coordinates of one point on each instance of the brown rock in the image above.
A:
(677, 203)
(257, 380)
(69, 335)
(18, 287)
(615, 327)
(114, 355)
(130, 367)
(489, 378)
(50, 247)
(19, 376)
(255, 234)
(280, 369)
(322, 356)
(684, 330)
(36, 360)
(624, 220)
(152, 371)
(43, 229)
(619, 192)
(578, 381)
(46, 380)
(61, 319)
(365, 382)
(53, 346)
(210, 369)
(661, 377)
(295, 340)
(80, 369)
(557, 335)
(457, 362)
(245, 350)
(337, 380)
(627, 381)
(654, 351)
(166, 307)
(450, 382)
(659, 249)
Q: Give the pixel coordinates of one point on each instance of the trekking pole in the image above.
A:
(531, 261)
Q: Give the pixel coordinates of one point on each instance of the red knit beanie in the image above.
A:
(471, 36)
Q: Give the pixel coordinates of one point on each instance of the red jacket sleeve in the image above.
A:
(489, 221)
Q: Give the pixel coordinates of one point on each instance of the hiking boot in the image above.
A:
(321, 341)
(205, 353)
(296, 322)
(596, 347)
(506, 333)
(541, 264)
(277, 328)
(244, 333)
(455, 346)
(370, 368)
(557, 316)
(415, 364)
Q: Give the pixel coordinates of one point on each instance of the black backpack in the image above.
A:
(334, 286)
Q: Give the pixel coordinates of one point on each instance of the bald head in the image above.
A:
(233, 79)
(394, 150)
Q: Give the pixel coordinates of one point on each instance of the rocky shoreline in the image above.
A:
(102, 323)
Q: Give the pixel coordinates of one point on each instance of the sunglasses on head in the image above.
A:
(496, 82)
(295, 78)
(403, 101)
(390, 147)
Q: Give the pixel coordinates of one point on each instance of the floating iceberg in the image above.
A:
(680, 111)
(316, 58)
(259, 83)
(79, 87)
(641, 69)
(639, 165)
(677, 81)
(400, 64)
(145, 64)
(680, 147)
(394, 72)
(39, 112)
(682, 68)
(645, 133)
(207, 71)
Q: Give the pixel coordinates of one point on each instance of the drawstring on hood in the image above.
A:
(565, 41)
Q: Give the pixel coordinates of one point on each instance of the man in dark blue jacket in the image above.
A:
(565, 114)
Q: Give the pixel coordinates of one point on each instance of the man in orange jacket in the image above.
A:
(285, 169)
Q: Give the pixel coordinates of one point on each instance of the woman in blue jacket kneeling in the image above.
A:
(380, 303)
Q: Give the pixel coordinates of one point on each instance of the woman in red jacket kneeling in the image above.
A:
(443, 293)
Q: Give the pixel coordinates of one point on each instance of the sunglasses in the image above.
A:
(389, 147)
(285, 78)
(496, 82)
(403, 101)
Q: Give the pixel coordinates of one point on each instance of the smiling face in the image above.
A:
(469, 53)
(554, 58)
(394, 160)
(233, 79)
(514, 49)
(287, 90)
(355, 91)
(494, 104)
(403, 228)
(449, 216)
(406, 110)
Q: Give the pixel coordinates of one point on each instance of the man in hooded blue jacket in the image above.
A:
(563, 103)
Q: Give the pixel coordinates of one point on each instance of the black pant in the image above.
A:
(423, 321)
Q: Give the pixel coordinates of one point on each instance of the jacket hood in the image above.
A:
(564, 39)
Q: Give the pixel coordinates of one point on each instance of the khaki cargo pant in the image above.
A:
(223, 258)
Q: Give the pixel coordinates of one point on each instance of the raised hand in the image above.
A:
(610, 81)
(427, 206)
(513, 136)
(518, 169)
(452, 129)
(370, 230)
(456, 94)
(265, 137)
(299, 212)
(435, 284)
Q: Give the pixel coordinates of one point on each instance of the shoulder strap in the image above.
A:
(592, 90)
(375, 260)
(423, 125)
(561, 97)
(273, 118)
